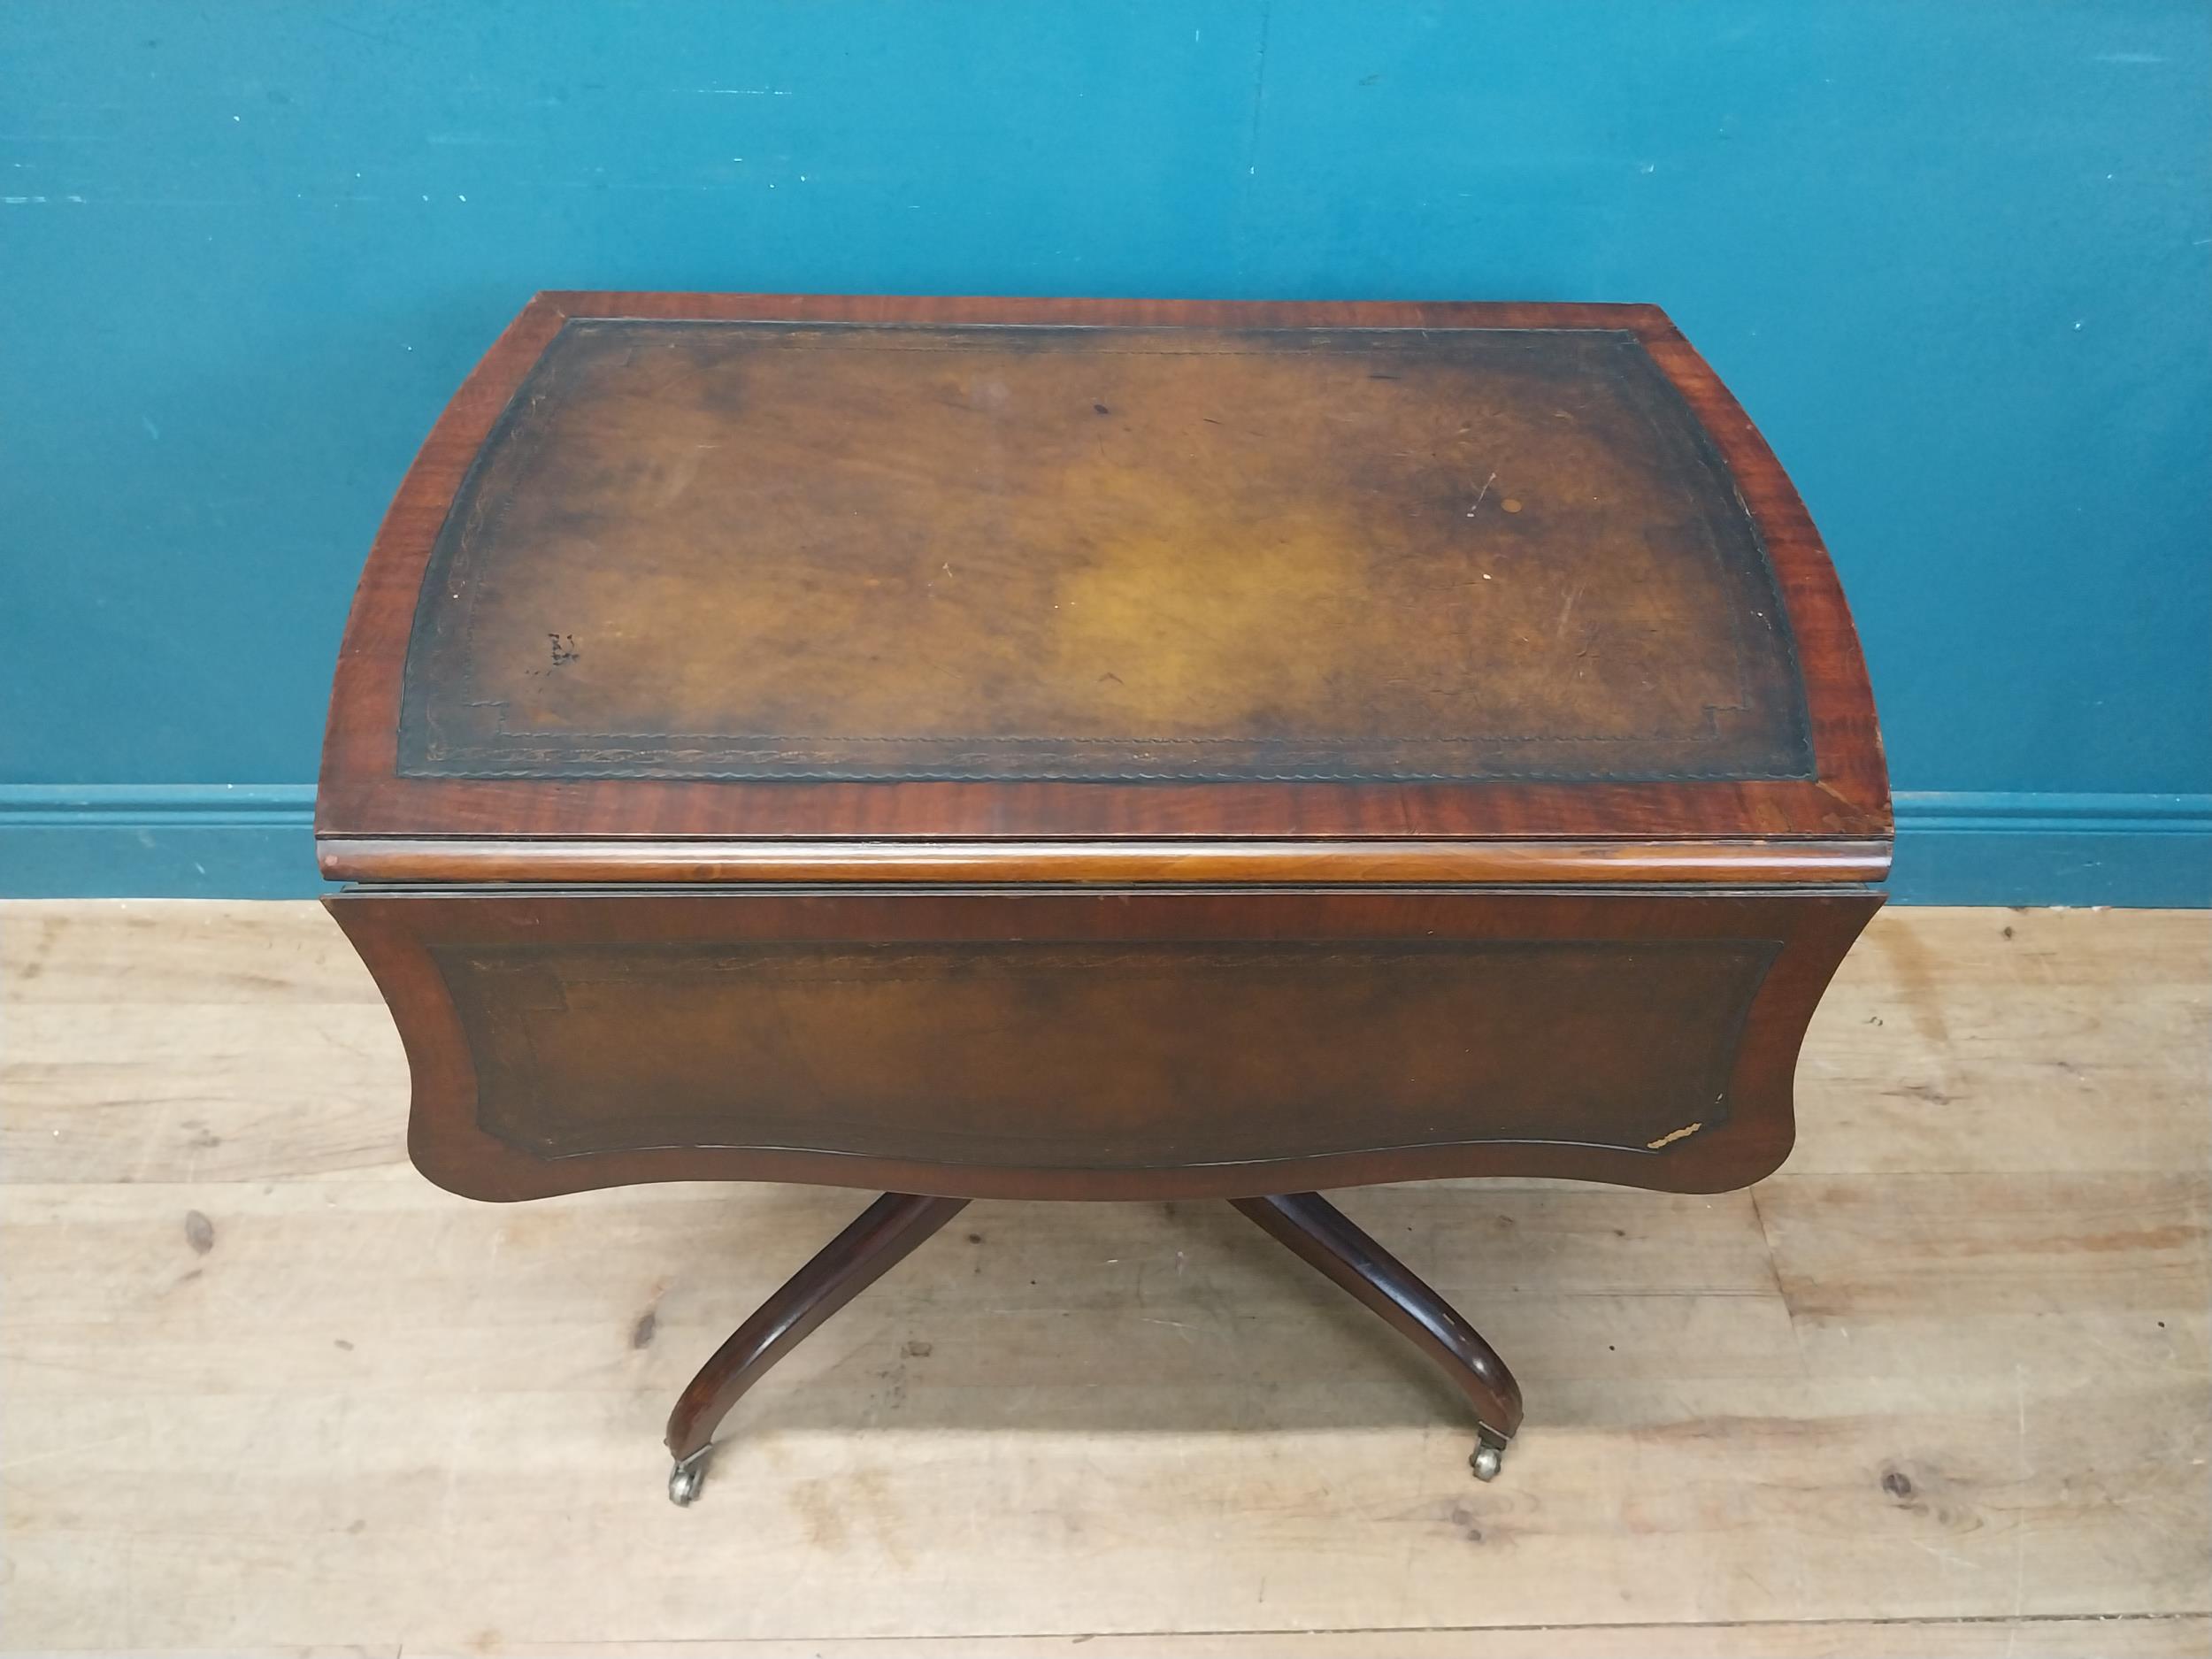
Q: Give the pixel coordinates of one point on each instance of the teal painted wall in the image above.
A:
(1956, 261)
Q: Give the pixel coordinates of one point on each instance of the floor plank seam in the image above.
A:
(1841, 1622)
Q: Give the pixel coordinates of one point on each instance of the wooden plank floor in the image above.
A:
(1939, 1387)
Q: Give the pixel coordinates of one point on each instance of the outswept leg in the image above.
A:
(877, 1241)
(1324, 1238)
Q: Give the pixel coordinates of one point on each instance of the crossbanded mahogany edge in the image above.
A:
(1847, 736)
(1535, 863)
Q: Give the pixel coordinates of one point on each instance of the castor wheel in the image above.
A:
(1489, 1458)
(686, 1479)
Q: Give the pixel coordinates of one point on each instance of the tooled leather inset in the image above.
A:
(775, 550)
(1127, 1054)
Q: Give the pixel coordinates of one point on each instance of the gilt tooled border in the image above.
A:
(467, 971)
(425, 752)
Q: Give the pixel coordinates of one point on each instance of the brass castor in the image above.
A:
(686, 1479)
(1489, 1458)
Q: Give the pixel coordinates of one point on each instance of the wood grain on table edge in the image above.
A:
(397, 858)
